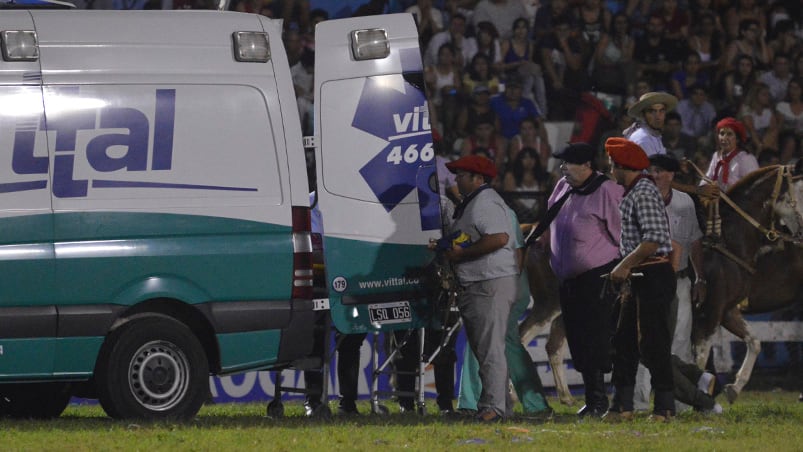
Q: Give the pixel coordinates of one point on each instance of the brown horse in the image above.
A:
(546, 313)
(757, 266)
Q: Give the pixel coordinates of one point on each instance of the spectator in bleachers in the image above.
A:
(465, 47)
(697, 113)
(511, 107)
(768, 157)
(784, 39)
(707, 41)
(478, 108)
(688, 76)
(797, 68)
(527, 176)
(778, 78)
(702, 8)
(565, 56)
(488, 44)
(485, 140)
(613, 69)
(501, 13)
(517, 50)
(790, 110)
(517, 60)
(751, 43)
(677, 20)
(639, 12)
(546, 16)
(656, 55)
(743, 10)
(428, 19)
(480, 72)
(593, 19)
(759, 118)
(676, 142)
(789, 147)
(533, 135)
(444, 83)
(736, 84)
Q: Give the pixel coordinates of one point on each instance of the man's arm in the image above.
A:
(485, 245)
(622, 270)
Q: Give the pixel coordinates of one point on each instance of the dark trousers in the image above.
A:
(643, 333)
(686, 376)
(586, 308)
(586, 312)
(348, 370)
(444, 367)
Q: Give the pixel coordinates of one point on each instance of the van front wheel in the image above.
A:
(152, 368)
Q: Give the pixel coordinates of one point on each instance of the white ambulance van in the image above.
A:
(154, 210)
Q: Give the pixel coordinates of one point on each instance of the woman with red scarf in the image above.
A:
(729, 164)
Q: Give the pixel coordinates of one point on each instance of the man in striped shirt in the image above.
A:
(642, 332)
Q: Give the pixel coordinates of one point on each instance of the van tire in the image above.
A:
(34, 400)
(152, 368)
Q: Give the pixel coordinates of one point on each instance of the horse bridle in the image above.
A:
(782, 173)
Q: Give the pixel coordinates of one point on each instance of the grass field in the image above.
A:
(765, 421)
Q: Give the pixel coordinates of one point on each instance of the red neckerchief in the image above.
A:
(635, 181)
(724, 163)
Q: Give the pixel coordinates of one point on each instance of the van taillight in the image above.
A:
(302, 253)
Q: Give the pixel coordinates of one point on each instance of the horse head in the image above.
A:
(789, 206)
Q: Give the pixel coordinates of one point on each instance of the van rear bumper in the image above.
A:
(297, 337)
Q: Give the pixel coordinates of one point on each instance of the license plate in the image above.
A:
(390, 313)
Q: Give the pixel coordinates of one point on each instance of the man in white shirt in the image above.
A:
(650, 113)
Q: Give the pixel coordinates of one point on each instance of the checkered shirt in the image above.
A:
(644, 219)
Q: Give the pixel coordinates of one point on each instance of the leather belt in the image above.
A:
(685, 273)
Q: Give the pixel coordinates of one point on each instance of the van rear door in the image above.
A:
(28, 318)
(375, 171)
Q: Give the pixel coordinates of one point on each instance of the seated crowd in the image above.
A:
(497, 70)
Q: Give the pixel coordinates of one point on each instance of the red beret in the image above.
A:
(473, 164)
(735, 125)
(626, 153)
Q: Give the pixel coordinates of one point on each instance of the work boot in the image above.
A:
(347, 407)
(596, 397)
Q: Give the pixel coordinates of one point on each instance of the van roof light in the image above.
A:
(19, 45)
(370, 44)
(251, 47)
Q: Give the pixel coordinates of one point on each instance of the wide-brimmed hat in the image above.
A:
(473, 164)
(649, 99)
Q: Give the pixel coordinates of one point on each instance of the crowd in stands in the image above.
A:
(497, 70)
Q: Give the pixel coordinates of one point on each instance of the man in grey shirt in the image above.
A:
(484, 255)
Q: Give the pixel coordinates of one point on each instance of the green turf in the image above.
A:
(765, 421)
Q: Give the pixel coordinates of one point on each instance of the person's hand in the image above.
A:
(455, 254)
(708, 191)
(620, 273)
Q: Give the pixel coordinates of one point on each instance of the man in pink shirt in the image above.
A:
(584, 244)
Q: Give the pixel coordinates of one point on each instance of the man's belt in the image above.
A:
(685, 273)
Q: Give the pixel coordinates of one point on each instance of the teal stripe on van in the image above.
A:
(374, 272)
(106, 257)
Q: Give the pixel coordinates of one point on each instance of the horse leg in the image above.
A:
(735, 323)
(554, 349)
(701, 351)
